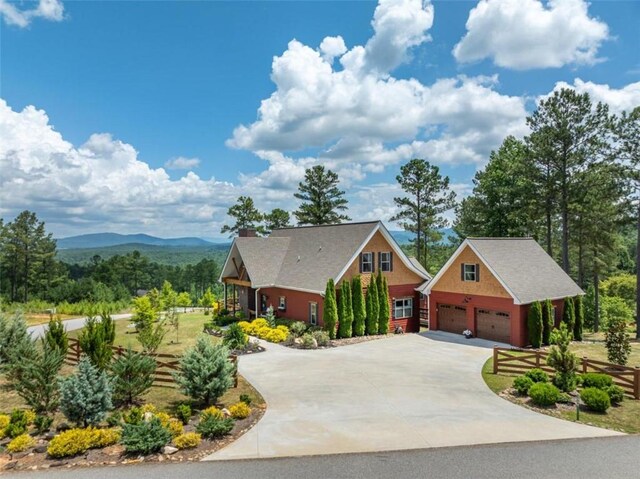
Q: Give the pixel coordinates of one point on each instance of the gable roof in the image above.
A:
(304, 258)
(521, 266)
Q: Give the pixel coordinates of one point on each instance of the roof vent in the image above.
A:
(298, 258)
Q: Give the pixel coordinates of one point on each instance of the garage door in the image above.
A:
(452, 318)
(493, 325)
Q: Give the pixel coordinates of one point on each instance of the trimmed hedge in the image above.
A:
(537, 375)
(596, 380)
(616, 394)
(522, 385)
(595, 399)
(544, 394)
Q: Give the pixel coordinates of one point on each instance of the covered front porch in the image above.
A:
(240, 296)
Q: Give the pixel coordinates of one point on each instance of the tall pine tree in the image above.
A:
(322, 200)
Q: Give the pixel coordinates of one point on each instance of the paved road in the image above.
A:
(398, 393)
(613, 457)
(70, 324)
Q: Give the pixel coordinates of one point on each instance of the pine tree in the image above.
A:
(132, 376)
(346, 311)
(579, 323)
(96, 340)
(359, 307)
(205, 372)
(569, 315)
(13, 334)
(85, 395)
(56, 335)
(548, 321)
(322, 200)
(562, 359)
(383, 299)
(372, 307)
(246, 215)
(330, 310)
(535, 325)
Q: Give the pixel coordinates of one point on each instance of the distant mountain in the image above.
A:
(405, 237)
(104, 240)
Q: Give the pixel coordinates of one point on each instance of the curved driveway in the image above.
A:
(401, 392)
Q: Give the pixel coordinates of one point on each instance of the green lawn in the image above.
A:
(625, 418)
(593, 347)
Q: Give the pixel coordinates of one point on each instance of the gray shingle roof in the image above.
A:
(525, 268)
(262, 257)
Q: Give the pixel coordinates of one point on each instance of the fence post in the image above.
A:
(77, 352)
(636, 382)
(585, 363)
(537, 359)
(495, 360)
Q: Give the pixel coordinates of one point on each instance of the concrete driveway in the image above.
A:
(402, 392)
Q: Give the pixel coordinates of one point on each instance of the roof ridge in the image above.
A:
(323, 226)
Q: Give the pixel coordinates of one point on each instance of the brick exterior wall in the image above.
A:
(297, 303)
(412, 324)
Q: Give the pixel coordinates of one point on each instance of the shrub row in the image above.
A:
(261, 329)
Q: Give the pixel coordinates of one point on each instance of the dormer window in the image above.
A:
(470, 272)
(366, 263)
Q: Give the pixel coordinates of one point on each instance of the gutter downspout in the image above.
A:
(256, 300)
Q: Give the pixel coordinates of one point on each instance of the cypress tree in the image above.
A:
(359, 308)
(547, 321)
(579, 313)
(534, 322)
(383, 300)
(56, 336)
(372, 307)
(341, 314)
(345, 329)
(330, 310)
(569, 315)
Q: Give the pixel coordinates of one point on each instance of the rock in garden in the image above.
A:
(40, 449)
(169, 450)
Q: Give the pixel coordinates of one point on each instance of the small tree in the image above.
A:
(383, 301)
(562, 360)
(173, 320)
(579, 313)
(617, 340)
(372, 307)
(205, 372)
(143, 312)
(150, 338)
(96, 340)
(56, 335)
(131, 376)
(548, 321)
(359, 308)
(345, 311)
(168, 297)
(330, 310)
(535, 324)
(13, 334)
(33, 376)
(184, 300)
(569, 315)
(207, 300)
(86, 395)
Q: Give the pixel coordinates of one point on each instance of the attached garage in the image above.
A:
(493, 325)
(452, 318)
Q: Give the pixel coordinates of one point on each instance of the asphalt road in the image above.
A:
(611, 457)
(69, 324)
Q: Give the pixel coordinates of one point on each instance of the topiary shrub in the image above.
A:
(596, 380)
(205, 371)
(595, 399)
(616, 394)
(239, 410)
(213, 427)
(522, 384)
(358, 306)
(537, 375)
(544, 394)
(569, 315)
(21, 443)
(85, 395)
(146, 437)
(534, 324)
(183, 412)
(330, 310)
(131, 376)
(188, 440)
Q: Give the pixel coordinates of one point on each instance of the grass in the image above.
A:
(593, 347)
(625, 418)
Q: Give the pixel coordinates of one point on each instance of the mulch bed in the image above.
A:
(115, 455)
(335, 343)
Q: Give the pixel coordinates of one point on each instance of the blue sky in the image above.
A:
(100, 96)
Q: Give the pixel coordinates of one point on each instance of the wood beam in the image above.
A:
(236, 281)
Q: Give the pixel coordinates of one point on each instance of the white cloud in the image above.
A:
(525, 34)
(182, 163)
(52, 10)
(619, 100)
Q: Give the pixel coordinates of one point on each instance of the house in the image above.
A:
(289, 270)
(488, 285)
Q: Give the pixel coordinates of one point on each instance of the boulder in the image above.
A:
(169, 450)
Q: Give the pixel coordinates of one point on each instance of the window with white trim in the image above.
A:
(385, 261)
(313, 313)
(470, 272)
(282, 303)
(367, 262)
(402, 308)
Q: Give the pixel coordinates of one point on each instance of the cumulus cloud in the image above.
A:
(182, 163)
(619, 99)
(52, 10)
(526, 34)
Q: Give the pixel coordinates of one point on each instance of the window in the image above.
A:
(385, 261)
(470, 272)
(366, 263)
(313, 313)
(402, 308)
(282, 303)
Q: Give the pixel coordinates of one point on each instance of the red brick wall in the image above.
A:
(518, 321)
(297, 303)
(409, 325)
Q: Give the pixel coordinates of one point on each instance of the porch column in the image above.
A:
(225, 295)
(234, 299)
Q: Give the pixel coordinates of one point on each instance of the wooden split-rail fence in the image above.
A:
(166, 364)
(519, 361)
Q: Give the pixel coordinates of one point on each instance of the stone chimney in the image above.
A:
(247, 233)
